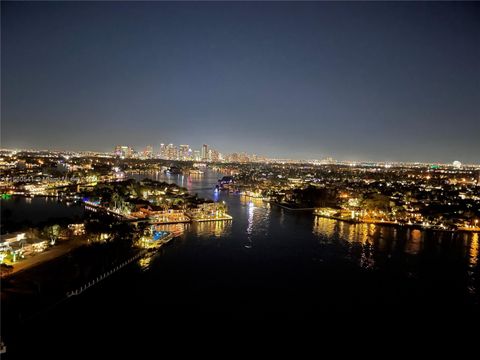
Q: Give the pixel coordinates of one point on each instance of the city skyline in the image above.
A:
(239, 164)
(152, 152)
(368, 81)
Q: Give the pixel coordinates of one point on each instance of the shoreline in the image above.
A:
(190, 220)
(120, 265)
(289, 208)
(398, 225)
(43, 258)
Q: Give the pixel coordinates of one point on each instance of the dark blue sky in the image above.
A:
(377, 81)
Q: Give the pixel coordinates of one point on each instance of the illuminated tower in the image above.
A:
(184, 154)
(205, 152)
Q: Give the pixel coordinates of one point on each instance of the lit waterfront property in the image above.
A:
(164, 217)
(379, 217)
(253, 194)
(209, 212)
(18, 246)
(205, 212)
(152, 201)
(77, 229)
(327, 212)
(154, 238)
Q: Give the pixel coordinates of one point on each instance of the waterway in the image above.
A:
(272, 263)
(19, 211)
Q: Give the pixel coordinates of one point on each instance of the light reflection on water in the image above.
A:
(473, 253)
(202, 229)
(414, 242)
(177, 229)
(144, 262)
(267, 230)
(258, 218)
(372, 239)
(212, 228)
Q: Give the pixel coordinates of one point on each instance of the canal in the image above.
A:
(271, 263)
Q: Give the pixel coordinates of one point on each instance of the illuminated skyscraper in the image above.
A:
(205, 152)
(213, 155)
(123, 152)
(184, 152)
(163, 151)
(148, 152)
(196, 155)
(172, 152)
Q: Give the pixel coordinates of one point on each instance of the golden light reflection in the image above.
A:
(175, 229)
(414, 242)
(474, 250)
(215, 228)
(323, 226)
(341, 229)
(144, 262)
(364, 233)
(366, 258)
(358, 236)
(246, 200)
(382, 244)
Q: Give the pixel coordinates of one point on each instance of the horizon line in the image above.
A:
(342, 162)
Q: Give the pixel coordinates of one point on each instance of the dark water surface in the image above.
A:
(272, 265)
(20, 211)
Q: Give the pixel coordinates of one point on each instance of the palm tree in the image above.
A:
(52, 233)
(116, 199)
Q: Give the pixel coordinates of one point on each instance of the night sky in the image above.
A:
(360, 81)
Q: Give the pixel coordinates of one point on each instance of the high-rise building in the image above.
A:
(232, 157)
(123, 151)
(327, 161)
(205, 152)
(184, 152)
(163, 151)
(172, 152)
(148, 152)
(213, 155)
(197, 156)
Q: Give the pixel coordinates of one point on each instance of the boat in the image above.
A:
(173, 170)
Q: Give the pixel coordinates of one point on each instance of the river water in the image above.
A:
(17, 212)
(269, 260)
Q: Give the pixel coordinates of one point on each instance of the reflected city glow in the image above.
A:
(251, 201)
(212, 228)
(258, 216)
(324, 227)
(368, 245)
(144, 262)
(175, 229)
(414, 242)
(474, 250)
(251, 208)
